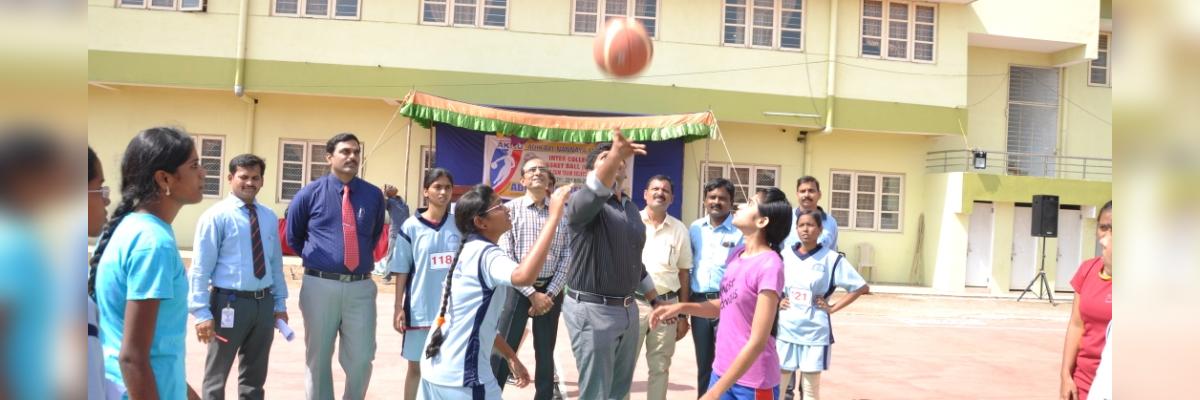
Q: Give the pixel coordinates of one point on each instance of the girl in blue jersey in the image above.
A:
(811, 272)
(422, 258)
(456, 364)
(137, 275)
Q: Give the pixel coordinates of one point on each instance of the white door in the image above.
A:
(1024, 251)
(979, 246)
(1070, 234)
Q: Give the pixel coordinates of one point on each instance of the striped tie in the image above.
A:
(349, 231)
(260, 266)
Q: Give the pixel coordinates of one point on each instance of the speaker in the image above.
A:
(1045, 215)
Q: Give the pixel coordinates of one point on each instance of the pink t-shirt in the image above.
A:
(1095, 308)
(744, 278)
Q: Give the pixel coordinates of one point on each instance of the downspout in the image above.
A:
(239, 88)
(831, 66)
(830, 86)
(239, 73)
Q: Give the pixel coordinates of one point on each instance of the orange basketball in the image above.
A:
(623, 48)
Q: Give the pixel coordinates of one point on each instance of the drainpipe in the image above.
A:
(831, 67)
(239, 73)
(251, 110)
(239, 76)
(830, 86)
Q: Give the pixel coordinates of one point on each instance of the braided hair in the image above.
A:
(152, 150)
(473, 203)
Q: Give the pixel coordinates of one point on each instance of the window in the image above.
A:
(588, 13)
(337, 9)
(212, 155)
(479, 13)
(428, 156)
(300, 162)
(1099, 70)
(1032, 120)
(180, 5)
(897, 30)
(774, 24)
(866, 201)
(764, 176)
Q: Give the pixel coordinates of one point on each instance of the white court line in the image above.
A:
(922, 325)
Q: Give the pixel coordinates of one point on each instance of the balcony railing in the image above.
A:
(1021, 164)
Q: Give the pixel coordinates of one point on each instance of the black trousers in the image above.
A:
(704, 336)
(513, 318)
(250, 339)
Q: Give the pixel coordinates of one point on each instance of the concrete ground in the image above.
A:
(907, 344)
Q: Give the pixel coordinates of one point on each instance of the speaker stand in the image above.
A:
(1044, 287)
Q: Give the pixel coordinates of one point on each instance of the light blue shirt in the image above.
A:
(805, 278)
(425, 251)
(471, 318)
(27, 297)
(223, 255)
(711, 246)
(142, 262)
(827, 239)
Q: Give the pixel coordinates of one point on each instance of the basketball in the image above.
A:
(623, 48)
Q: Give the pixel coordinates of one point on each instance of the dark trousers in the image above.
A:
(249, 339)
(513, 318)
(704, 336)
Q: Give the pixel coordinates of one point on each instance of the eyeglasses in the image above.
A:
(493, 208)
(104, 192)
(534, 170)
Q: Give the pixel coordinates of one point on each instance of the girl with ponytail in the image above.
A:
(746, 364)
(136, 274)
(421, 259)
(456, 363)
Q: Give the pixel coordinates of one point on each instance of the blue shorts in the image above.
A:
(739, 392)
(804, 358)
(414, 344)
(433, 391)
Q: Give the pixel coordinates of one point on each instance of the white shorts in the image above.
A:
(433, 391)
(414, 344)
(803, 358)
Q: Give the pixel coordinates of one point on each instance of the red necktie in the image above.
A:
(349, 231)
(260, 266)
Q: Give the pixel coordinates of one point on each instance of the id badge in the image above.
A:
(801, 298)
(227, 317)
(441, 260)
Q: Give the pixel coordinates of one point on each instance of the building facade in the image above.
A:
(883, 101)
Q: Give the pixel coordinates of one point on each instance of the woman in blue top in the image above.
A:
(456, 363)
(33, 174)
(136, 274)
(421, 259)
(811, 273)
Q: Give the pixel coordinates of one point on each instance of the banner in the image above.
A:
(462, 151)
(504, 157)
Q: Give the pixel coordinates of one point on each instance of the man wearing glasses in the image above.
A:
(543, 300)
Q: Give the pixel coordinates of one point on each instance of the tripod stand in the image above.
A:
(1044, 288)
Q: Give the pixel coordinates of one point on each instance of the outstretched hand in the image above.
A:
(663, 315)
(558, 199)
(623, 148)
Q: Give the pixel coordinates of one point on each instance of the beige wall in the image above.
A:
(116, 116)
